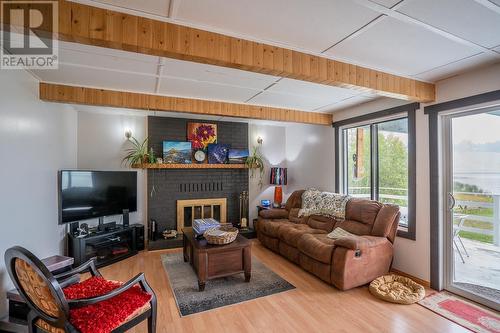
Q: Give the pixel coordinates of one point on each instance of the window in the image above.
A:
(358, 156)
(376, 160)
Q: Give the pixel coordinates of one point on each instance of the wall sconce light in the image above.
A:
(260, 140)
(128, 134)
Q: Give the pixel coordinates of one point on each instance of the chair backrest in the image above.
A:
(360, 215)
(294, 200)
(37, 286)
(369, 217)
(458, 227)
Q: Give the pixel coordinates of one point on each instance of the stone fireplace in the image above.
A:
(189, 210)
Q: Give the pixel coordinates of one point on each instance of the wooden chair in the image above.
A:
(50, 309)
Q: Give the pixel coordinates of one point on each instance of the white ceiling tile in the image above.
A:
(97, 78)
(111, 111)
(348, 102)
(387, 3)
(204, 90)
(316, 91)
(288, 101)
(399, 47)
(156, 7)
(216, 74)
(458, 67)
(108, 52)
(464, 18)
(106, 61)
(311, 25)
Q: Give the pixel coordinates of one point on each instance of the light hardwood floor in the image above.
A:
(313, 306)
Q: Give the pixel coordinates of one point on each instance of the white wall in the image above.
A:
(413, 257)
(310, 154)
(36, 140)
(306, 150)
(101, 144)
(273, 151)
(469, 84)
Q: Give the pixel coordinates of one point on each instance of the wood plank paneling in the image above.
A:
(100, 27)
(102, 97)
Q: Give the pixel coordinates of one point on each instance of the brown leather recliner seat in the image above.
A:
(346, 262)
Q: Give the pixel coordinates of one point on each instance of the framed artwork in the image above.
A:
(176, 152)
(201, 134)
(237, 156)
(217, 153)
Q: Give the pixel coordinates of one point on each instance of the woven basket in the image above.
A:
(228, 237)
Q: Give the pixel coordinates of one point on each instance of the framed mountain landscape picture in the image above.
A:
(176, 152)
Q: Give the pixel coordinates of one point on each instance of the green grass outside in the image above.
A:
(479, 211)
(472, 197)
(477, 237)
(479, 224)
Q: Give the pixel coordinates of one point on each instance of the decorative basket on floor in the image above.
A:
(229, 235)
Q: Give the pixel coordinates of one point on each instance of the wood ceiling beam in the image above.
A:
(100, 97)
(106, 28)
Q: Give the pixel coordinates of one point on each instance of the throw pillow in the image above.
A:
(339, 233)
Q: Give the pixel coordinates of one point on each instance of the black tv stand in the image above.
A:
(108, 246)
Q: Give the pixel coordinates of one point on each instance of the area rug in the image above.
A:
(218, 292)
(463, 312)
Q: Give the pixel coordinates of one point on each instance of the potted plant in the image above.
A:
(137, 153)
(255, 161)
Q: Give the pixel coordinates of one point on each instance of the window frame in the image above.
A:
(373, 119)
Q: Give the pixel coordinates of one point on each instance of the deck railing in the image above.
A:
(483, 213)
(482, 209)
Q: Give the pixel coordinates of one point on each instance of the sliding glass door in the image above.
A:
(471, 146)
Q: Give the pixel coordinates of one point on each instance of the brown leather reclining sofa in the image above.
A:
(345, 262)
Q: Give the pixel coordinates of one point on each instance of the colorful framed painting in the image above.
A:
(201, 135)
(176, 152)
(237, 156)
(217, 153)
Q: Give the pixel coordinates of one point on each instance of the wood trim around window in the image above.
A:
(410, 110)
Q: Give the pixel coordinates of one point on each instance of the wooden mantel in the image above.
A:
(189, 166)
(101, 97)
(106, 28)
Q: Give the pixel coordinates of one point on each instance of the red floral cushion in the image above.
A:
(107, 315)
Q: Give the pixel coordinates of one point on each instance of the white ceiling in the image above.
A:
(145, 113)
(424, 39)
(98, 67)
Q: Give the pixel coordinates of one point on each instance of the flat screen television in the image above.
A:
(87, 194)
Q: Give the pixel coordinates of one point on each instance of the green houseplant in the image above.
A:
(255, 161)
(137, 153)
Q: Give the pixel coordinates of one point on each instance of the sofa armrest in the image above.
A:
(360, 242)
(274, 213)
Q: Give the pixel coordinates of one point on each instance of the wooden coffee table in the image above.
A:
(215, 261)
